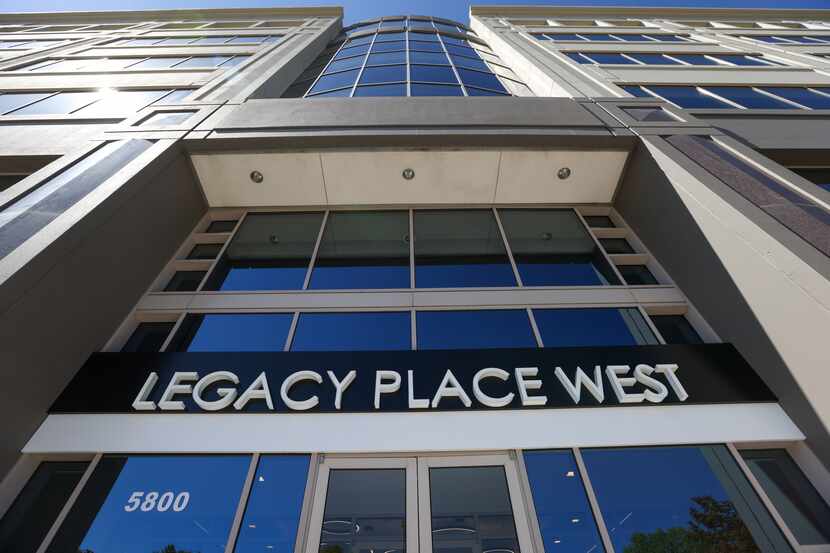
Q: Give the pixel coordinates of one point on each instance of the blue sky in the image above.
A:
(356, 10)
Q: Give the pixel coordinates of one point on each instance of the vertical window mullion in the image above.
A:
(538, 335)
(597, 244)
(173, 331)
(291, 330)
(452, 64)
(504, 241)
(222, 250)
(365, 62)
(592, 500)
(323, 70)
(243, 501)
(411, 248)
(315, 250)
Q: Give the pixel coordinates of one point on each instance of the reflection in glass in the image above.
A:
(593, 327)
(273, 510)
(687, 499)
(802, 508)
(471, 510)
(368, 249)
(352, 331)
(31, 515)
(148, 503)
(148, 337)
(676, 329)
(455, 248)
(551, 247)
(565, 519)
(481, 328)
(233, 332)
(270, 251)
(60, 104)
(365, 511)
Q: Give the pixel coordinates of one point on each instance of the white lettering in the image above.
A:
(415, 403)
(485, 399)
(674, 382)
(525, 385)
(387, 387)
(581, 379)
(141, 403)
(450, 387)
(175, 387)
(642, 375)
(226, 395)
(292, 379)
(617, 384)
(257, 390)
(341, 385)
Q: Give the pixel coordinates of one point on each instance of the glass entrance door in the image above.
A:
(454, 504)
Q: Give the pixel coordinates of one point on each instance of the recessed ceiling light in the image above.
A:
(564, 173)
(408, 173)
(257, 177)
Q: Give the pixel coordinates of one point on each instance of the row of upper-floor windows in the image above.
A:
(646, 23)
(393, 330)
(28, 44)
(150, 25)
(372, 250)
(736, 97)
(212, 40)
(617, 37)
(643, 58)
(91, 103)
(408, 23)
(58, 65)
(791, 39)
(179, 502)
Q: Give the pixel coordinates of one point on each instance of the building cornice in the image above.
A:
(623, 11)
(175, 15)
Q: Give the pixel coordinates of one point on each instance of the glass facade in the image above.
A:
(407, 57)
(736, 97)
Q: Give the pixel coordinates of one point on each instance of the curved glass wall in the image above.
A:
(407, 56)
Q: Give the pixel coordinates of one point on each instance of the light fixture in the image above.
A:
(570, 474)
(546, 236)
(274, 240)
(257, 177)
(564, 173)
(408, 173)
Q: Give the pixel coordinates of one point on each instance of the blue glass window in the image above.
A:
(60, 104)
(335, 80)
(417, 89)
(427, 37)
(654, 59)
(425, 46)
(481, 92)
(343, 92)
(353, 51)
(363, 249)
(592, 327)
(688, 97)
(637, 91)
(357, 41)
(272, 513)
(633, 37)
(430, 57)
(383, 74)
(701, 511)
(479, 79)
(460, 248)
(388, 46)
(741, 60)
(802, 96)
(562, 36)
(348, 63)
(599, 57)
(695, 59)
(562, 509)
(748, 98)
(14, 100)
(551, 247)
(233, 332)
(432, 74)
(353, 331)
(387, 37)
(494, 328)
(148, 503)
(381, 90)
(470, 63)
(385, 58)
(271, 251)
(461, 50)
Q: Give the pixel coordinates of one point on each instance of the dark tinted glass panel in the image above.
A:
(418, 89)
(636, 274)
(383, 74)
(819, 175)
(272, 513)
(801, 96)
(155, 503)
(422, 46)
(388, 46)
(204, 251)
(636, 91)
(496, 328)
(438, 58)
(482, 92)
(460, 249)
(479, 79)
(221, 226)
(579, 58)
(352, 331)
(335, 80)
(184, 281)
(387, 58)
(233, 332)
(599, 57)
(471, 63)
(668, 38)
(381, 90)
(616, 245)
(7, 181)
(386, 37)
(148, 337)
(748, 98)
(675, 329)
(551, 247)
(654, 59)
(271, 251)
(564, 36)
(565, 519)
(695, 59)
(368, 249)
(797, 501)
(365, 511)
(433, 74)
(350, 52)
(471, 510)
(740, 60)
(592, 327)
(334, 93)
(34, 511)
(688, 97)
(702, 511)
(348, 63)
(599, 221)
